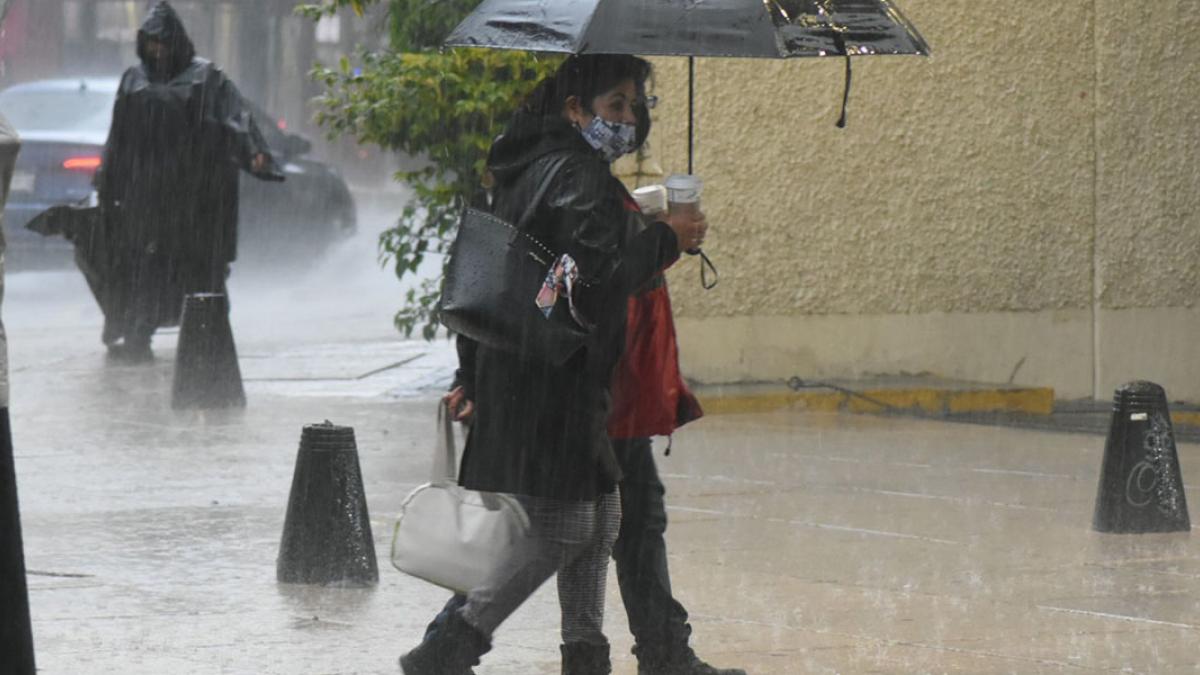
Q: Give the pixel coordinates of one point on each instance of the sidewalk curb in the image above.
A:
(720, 400)
(1189, 418)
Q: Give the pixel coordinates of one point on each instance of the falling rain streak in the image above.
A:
(234, 239)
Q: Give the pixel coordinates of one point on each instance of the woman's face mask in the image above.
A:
(612, 139)
(612, 128)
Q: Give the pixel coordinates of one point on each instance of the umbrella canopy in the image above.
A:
(72, 221)
(722, 28)
(776, 29)
(83, 225)
(719, 28)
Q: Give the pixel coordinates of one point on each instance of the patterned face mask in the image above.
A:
(612, 139)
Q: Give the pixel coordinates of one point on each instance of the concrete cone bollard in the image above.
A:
(206, 365)
(1141, 488)
(327, 532)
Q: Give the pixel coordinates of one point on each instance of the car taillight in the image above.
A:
(81, 163)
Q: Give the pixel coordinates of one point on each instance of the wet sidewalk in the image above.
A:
(802, 542)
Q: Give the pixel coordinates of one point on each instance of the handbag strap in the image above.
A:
(445, 461)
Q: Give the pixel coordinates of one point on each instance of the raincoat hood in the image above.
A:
(163, 25)
(528, 137)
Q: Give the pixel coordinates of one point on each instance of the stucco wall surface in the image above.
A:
(1148, 154)
(1043, 163)
(963, 182)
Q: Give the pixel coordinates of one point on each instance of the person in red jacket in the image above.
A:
(650, 398)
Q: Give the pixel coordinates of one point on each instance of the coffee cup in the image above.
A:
(683, 197)
(683, 193)
(652, 199)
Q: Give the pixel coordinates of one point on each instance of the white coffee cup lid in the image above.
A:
(651, 198)
(684, 187)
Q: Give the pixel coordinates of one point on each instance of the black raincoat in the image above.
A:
(169, 179)
(538, 429)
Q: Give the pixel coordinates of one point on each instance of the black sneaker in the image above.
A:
(452, 650)
(678, 662)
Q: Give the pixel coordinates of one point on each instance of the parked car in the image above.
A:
(63, 125)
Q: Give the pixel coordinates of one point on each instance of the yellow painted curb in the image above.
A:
(1033, 400)
(1189, 418)
(752, 403)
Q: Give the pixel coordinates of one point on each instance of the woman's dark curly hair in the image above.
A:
(586, 76)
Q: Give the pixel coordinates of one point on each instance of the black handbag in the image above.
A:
(492, 278)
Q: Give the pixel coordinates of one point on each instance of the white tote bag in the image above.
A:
(449, 535)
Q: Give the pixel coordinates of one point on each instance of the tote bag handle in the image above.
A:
(445, 460)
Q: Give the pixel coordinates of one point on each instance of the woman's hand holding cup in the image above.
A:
(689, 226)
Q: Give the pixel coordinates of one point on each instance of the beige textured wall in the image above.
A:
(1148, 182)
(1148, 196)
(1043, 159)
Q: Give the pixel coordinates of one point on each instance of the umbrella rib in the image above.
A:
(893, 13)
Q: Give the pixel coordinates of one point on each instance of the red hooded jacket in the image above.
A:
(649, 397)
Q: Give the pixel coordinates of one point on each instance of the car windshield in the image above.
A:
(75, 110)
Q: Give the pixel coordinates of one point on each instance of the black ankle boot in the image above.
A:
(676, 661)
(451, 651)
(582, 658)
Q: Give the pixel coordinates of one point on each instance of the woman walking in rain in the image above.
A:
(169, 184)
(649, 398)
(539, 431)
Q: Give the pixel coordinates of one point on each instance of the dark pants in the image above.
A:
(656, 619)
(568, 539)
(147, 292)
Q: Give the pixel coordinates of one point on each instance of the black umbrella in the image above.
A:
(83, 226)
(691, 28)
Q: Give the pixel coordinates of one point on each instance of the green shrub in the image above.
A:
(443, 106)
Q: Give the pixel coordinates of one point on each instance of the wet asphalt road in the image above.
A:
(800, 542)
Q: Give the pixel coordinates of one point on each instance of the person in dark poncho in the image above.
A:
(168, 183)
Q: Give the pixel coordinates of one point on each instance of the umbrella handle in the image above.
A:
(841, 44)
(705, 265)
